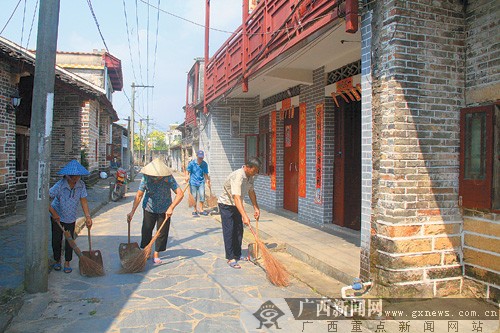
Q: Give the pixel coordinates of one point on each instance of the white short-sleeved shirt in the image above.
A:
(237, 183)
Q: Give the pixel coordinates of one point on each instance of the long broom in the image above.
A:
(191, 200)
(137, 263)
(91, 268)
(275, 271)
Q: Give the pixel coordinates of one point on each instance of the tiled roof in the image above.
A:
(15, 52)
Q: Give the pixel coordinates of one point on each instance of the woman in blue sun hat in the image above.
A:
(67, 193)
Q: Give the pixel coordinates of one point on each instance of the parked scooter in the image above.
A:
(120, 186)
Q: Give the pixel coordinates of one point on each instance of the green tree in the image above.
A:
(157, 139)
(138, 142)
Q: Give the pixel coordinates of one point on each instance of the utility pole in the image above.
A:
(132, 125)
(131, 133)
(126, 158)
(146, 142)
(37, 217)
(140, 141)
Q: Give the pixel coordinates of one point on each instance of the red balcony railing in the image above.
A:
(273, 27)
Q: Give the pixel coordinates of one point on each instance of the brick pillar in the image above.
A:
(366, 144)
(417, 82)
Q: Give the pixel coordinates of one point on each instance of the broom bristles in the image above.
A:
(191, 201)
(275, 271)
(90, 267)
(137, 263)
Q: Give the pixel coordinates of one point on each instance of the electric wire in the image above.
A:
(138, 42)
(24, 19)
(129, 44)
(10, 18)
(147, 62)
(155, 52)
(32, 22)
(89, 2)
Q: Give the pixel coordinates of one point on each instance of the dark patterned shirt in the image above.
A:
(157, 196)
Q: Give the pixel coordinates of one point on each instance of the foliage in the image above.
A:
(84, 158)
(157, 139)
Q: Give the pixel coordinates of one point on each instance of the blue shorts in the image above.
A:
(198, 192)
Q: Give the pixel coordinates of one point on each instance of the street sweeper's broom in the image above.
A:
(136, 264)
(191, 200)
(91, 268)
(275, 271)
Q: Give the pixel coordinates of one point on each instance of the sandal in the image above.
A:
(243, 259)
(157, 261)
(195, 214)
(233, 264)
(57, 266)
(204, 213)
(67, 270)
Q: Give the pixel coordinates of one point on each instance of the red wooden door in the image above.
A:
(347, 166)
(291, 163)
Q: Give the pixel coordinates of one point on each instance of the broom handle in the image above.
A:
(68, 237)
(128, 232)
(257, 238)
(90, 242)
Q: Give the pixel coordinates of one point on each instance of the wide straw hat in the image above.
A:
(156, 168)
(73, 168)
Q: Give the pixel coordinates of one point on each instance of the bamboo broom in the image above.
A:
(137, 263)
(91, 268)
(275, 271)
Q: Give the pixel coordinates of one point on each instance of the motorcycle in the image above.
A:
(120, 186)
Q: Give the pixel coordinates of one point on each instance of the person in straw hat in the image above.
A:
(67, 193)
(157, 182)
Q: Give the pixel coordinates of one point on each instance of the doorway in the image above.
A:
(347, 165)
(291, 161)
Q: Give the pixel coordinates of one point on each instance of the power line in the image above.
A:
(32, 22)
(147, 62)
(184, 19)
(138, 42)
(10, 18)
(24, 18)
(155, 51)
(129, 47)
(97, 24)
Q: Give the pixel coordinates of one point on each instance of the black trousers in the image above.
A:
(148, 224)
(57, 236)
(232, 230)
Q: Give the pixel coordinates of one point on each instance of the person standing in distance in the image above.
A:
(232, 211)
(197, 174)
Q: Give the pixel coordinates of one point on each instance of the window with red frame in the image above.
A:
(258, 145)
(479, 180)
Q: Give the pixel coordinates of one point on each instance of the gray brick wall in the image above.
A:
(482, 24)
(366, 144)
(482, 86)
(313, 95)
(224, 153)
(66, 135)
(8, 189)
(417, 82)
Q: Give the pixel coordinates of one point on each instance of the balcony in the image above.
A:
(274, 28)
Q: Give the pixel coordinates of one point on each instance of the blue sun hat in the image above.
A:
(73, 168)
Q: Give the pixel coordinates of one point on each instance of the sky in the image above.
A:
(177, 44)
